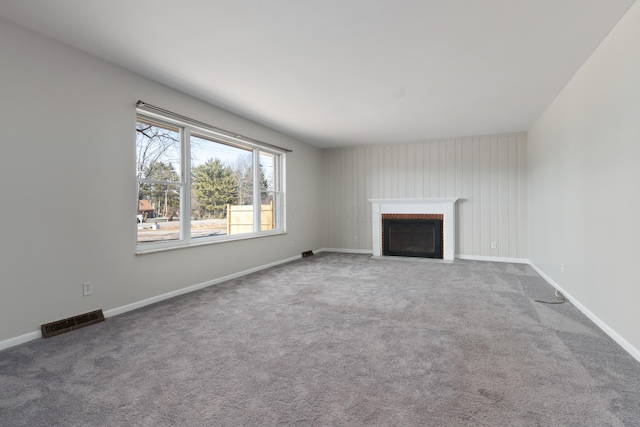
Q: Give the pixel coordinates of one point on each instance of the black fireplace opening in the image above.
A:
(413, 238)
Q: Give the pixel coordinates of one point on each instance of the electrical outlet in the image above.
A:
(87, 289)
(355, 239)
(494, 245)
(562, 267)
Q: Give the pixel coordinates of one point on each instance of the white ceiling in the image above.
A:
(345, 72)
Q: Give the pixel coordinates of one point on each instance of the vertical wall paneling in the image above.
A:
(366, 237)
(465, 207)
(487, 174)
(513, 192)
(401, 170)
(348, 200)
(504, 240)
(450, 162)
(459, 188)
(363, 198)
(523, 196)
(419, 170)
(343, 206)
(410, 171)
(476, 196)
(386, 162)
(434, 169)
(426, 171)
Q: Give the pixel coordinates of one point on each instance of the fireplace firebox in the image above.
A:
(413, 238)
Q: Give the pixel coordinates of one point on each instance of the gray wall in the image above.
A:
(68, 188)
(584, 184)
(488, 174)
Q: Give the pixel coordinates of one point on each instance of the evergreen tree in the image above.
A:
(164, 198)
(214, 185)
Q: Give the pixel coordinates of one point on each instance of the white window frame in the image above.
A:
(185, 239)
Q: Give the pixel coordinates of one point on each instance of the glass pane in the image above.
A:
(157, 151)
(268, 212)
(158, 212)
(206, 220)
(268, 171)
(221, 188)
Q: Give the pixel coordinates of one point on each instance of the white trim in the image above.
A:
(412, 258)
(204, 241)
(595, 319)
(133, 306)
(11, 342)
(458, 256)
(347, 251)
(451, 201)
(493, 259)
(20, 339)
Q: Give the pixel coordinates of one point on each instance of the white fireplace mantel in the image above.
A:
(446, 207)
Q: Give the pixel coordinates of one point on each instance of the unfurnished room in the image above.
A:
(347, 213)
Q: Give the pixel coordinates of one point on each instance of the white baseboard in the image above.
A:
(633, 351)
(493, 259)
(20, 339)
(11, 342)
(347, 251)
(153, 300)
(458, 256)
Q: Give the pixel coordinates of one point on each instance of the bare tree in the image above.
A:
(156, 147)
(243, 174)
(157, 151)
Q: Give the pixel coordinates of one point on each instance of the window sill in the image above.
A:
(180, 245)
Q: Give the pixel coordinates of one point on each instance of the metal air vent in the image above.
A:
(72, 323)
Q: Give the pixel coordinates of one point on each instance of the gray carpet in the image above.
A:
(336, 340)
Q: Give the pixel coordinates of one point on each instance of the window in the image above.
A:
(198, 186)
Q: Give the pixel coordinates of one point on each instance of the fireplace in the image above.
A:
(412, 236)
(443, 209)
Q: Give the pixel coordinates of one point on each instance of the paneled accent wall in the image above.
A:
(487, 173)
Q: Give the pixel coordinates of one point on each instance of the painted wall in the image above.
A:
(68, 182)
(488, 174)
(584, 183)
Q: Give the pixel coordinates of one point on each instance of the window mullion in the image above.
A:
(257, 197)
(185, 208)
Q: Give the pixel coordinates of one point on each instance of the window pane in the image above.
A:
(268, 171)
(221, 188)
(205, 221)
(269, 188)
(240, 219)
(158, 212)
(268, 212)
(157, 151)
